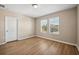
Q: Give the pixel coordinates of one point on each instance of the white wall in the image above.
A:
(67, 28)
(25, 27)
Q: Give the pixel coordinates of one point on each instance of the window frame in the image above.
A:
(49, 26)
(41, 26)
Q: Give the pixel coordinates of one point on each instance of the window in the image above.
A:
(50, 26)
(54, 25)
(44, 26)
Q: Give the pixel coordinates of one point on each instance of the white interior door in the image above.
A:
(10, 28)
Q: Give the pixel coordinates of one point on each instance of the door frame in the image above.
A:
(5, 27)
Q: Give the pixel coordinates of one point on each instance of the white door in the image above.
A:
(10, 28)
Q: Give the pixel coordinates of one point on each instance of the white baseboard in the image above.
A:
(29, 37)
(3, 43)
(77, 47)
(19, 39)
(57, 40)
(26, 37)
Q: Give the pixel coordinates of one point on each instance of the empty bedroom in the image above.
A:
(39, 29)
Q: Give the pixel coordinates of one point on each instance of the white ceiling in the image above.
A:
(43, 9)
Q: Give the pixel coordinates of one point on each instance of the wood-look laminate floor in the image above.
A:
(37, 46)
